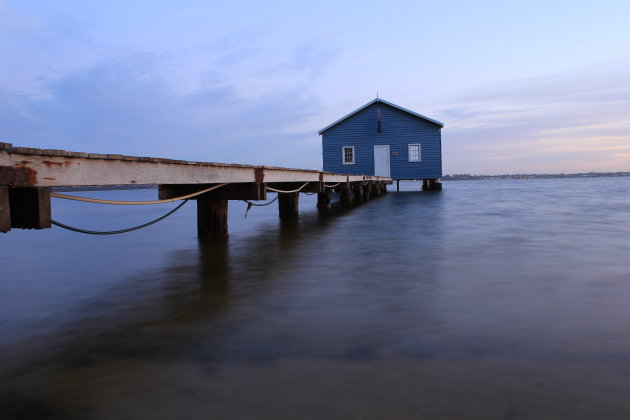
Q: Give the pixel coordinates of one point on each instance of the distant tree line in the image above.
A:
(459, 177)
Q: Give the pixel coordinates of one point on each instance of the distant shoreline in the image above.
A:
(467, 177)
(455, 177)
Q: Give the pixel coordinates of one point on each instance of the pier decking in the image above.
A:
(27, 175)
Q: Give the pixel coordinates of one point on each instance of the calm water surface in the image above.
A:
(489, 300)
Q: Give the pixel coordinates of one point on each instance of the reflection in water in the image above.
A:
(490, 300)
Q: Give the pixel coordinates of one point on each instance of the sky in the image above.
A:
(522, 87)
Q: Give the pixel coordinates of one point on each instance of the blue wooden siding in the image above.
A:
(398, 130)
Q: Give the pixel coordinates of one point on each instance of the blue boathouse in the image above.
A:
(384, 139)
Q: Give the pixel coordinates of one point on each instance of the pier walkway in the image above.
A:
(27, 176)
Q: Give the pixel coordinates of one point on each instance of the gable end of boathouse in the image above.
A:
(384, 139)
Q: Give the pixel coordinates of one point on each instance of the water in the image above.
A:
(489, 300)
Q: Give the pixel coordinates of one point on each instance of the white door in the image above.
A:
(381, 161)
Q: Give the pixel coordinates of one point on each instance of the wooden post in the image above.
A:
(288, 205)
(435, 185)
(212, 218)
(323, 199)
(425, 185)
(358, 192)
(367, 192)
(30, 207)
(5, 211)
(373, 191)
(397, 185)
(346, 193)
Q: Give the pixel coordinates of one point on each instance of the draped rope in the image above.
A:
(115, 232)
(287, 192)
(100, 201)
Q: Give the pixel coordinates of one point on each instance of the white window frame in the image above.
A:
(343, 155)
(419, 152)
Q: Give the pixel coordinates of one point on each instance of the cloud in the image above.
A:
(130, 105)
(574, 121)
(231, 93)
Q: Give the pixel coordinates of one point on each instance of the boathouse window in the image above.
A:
(348, 155)
(414, 153)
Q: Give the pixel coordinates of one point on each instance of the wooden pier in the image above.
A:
(27, 176)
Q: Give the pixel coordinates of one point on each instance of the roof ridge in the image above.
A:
(373, 101)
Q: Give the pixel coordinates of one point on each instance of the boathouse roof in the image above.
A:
(379, 100)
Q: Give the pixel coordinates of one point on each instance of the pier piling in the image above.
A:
(345, 195)
(374, 191)
(323, 199)
(431, 185)
(383, 187)
(288, 205)
(367, 192)
(212, 218)
(358, 193)
(5, 211)
(30, 207)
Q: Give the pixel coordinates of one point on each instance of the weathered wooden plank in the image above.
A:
(288, 205)
(57, 171)
(17, 177)
(212, 218)
(276, 175)
(5, 210)
(27, 167)
(30, 208)
(238, 191)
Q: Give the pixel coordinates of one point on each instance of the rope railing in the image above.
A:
(186, 198)
(115, 232)
(288, 192)
(131, 229)
(167, 200)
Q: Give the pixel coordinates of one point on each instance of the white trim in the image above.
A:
(389, 160)
(419, 152)
(343, 155)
